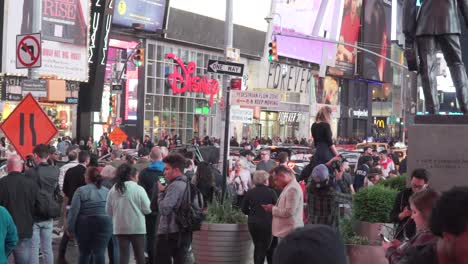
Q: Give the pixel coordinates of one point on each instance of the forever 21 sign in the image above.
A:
(101, 21)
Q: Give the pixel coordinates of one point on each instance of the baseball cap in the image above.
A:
(320, 173)
(312, 244)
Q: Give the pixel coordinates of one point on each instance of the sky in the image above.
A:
(248, 13)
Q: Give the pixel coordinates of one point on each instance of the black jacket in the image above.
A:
(18, 196)
(425, 254)
(435, 17)
(402, 201)
(253, 200)
(148, 179)
(46, 178)
(74, 179)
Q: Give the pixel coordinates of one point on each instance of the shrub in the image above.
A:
(224, 213)
(374, 204)
(349, 236)
(397, 183)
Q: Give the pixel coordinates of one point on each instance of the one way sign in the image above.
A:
(224, 67)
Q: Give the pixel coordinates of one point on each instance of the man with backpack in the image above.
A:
(148, 179)
(178, 213)
(48, 207)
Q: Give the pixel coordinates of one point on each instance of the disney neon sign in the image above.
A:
(180, 83)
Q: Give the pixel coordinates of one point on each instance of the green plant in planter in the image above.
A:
(397, 183)
(224, 213)
(374, 204)
(349, 236)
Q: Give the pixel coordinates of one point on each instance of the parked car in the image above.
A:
(299, 156)
(374, 145)
(102, 161)
(352, 157)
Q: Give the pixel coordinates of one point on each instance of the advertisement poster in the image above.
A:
(150, 13)
(64, 32)
(377, 31)
(327, 90)
(307, 18)
(350, 25)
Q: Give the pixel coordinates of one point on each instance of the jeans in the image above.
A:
(93, 235)
(151, 221)
(138, 245)
(42, 237)
(113, 250)
(261, 237)
(173, 248)
(65, 239)
(271, 250)
(22, 251)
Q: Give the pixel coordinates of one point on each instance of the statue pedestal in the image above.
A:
(440, 145)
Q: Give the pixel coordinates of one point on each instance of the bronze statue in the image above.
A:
(435, 24)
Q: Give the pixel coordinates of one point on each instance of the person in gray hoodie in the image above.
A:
(173, 244)
(148, 179)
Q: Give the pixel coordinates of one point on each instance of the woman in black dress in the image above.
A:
(321, 132)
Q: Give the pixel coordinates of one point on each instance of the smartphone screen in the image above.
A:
(162, 180)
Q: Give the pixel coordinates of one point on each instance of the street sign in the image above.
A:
(28, 126)
(38, 88)
(252, 98)
(118, 136)
(224, 67)
(28, 51)
(244, 115)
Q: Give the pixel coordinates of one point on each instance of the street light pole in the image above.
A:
(228, 41)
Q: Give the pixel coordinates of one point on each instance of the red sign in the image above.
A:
(186, 81)
(118, 136)
(28, 126)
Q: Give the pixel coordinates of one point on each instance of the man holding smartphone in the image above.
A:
(401, 212)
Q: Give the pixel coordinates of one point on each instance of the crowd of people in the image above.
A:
(144, 203)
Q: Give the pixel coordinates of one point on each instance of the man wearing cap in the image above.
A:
(324, 194)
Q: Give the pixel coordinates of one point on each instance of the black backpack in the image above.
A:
(48, 205)
(189, 214)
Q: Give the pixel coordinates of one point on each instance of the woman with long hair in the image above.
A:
(205, 181)
(88, 219)
(321, 132)
(421, 204)
(128, 204)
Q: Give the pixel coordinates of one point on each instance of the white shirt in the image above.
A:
(242, 182)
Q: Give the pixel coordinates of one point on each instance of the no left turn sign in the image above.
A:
(28, 51)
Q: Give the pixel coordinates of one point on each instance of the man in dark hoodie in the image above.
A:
(148, 180)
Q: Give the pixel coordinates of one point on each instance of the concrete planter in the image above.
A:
(222, 243)
(359, 254)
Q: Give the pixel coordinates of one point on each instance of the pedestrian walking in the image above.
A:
(8, 235)
(46, 177)
(18, 195)
(288, 212)
(88, 220)
(260, 221)
(127, 204)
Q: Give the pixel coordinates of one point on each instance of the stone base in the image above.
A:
(440, 148)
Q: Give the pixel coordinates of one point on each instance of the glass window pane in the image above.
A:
(175, 104)
(166, 104)
(160, 86)
(165, 119)
(189, 105)
(158, 103)
(183, 104)
(193, 56)
(151, 71)
(189, 134)
(150, 85)
(149, 102)
(200, 59)
(160, 53)
(150, 52)
(157, 119)
(160, 70)
(148, 118)
(182, 120)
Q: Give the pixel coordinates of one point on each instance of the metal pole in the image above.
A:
(36, 27)
(228, 39)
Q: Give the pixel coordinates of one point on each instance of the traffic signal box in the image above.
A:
(139, 57)
(273, 51)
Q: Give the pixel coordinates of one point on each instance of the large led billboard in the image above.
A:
(376, 37)
(64, 36)
(149, 13)
(307, 18)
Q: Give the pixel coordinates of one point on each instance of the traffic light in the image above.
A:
(139, 57)
(112, 103)
(273, 51)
